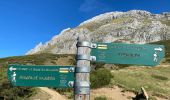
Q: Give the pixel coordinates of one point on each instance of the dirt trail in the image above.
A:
(115, 93)
(53, 94)
(111, 94)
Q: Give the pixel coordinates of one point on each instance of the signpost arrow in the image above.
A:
(41, 76)
(12, 69)
(119, 53)
(158, 49)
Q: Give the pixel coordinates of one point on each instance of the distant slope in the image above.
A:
(38, 59)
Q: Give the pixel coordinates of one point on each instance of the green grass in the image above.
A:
(100, 98)
(100, 78)
(155, 80)
(37, 59)
(19, 93)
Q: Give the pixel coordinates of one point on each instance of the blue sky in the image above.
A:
(25, 23)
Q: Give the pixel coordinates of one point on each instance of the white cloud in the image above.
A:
(92, 5)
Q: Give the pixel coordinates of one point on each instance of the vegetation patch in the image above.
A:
(15, 93)
(37, 59)
(159, 77)
(100, 98)
(10, 92)
(154, 80)
(92, 26)
(67, 92)
(100, 78)
(167, 22)
(120, 20)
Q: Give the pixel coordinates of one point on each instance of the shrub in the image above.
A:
(14, 93)
(62, 91)
(159, 77)
(100, 98)
(122, 65)
(100, 78)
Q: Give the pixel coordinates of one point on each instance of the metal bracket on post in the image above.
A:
(71, 83)
(86, 57)
(83, 69)
(93, 58)
(82, 87)
(72, 69)
(86, 44)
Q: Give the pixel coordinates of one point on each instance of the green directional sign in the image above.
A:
(119, 53)
(41, 76)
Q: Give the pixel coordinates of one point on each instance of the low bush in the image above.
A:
(14, 93)
(100, 98)
(100, 78)
(159, 77)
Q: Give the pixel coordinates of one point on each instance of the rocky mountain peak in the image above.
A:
(135, 26)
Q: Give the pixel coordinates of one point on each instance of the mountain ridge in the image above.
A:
(135, 26)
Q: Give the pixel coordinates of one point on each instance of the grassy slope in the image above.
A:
(156, 80)
(19, 93)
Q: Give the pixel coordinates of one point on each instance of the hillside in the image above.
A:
(19, 93)
(135, 26)
(155, 79)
